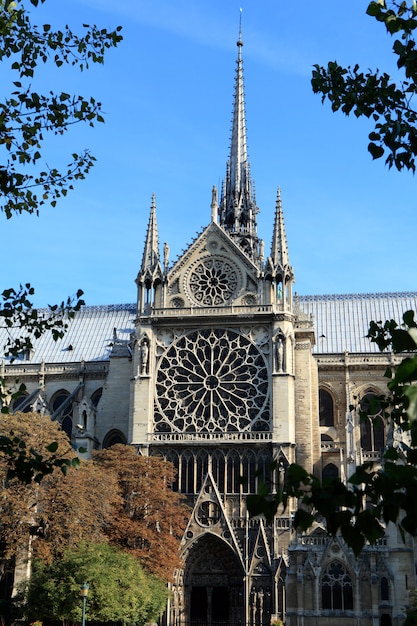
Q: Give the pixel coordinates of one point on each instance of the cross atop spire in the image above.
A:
(238, 208)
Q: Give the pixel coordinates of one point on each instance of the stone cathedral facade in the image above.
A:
(220, 368)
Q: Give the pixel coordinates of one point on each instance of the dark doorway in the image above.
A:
(220, 604)
(209, 606)
(213, 584)
(198, 609)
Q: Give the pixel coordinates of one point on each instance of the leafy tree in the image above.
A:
(374, 94)
(151, 517)
(374, 495)
(119, 589)
(65, 515)
(19, 490)
(27, 120)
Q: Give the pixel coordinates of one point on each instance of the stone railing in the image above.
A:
(243, 311)
(208, 437)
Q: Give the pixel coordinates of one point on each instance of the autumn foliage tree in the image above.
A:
(19, 500)
(75, 507)
(119, 499)
(151, 517)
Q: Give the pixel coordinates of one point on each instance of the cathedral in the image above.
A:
(220, 368)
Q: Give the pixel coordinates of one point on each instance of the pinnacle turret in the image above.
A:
(277, 267)
(279, 248)
(151, 259)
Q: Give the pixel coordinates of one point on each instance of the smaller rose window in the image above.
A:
(213, 281)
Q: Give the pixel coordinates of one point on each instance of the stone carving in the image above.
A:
(213, 281)
(280, 352)
(210, 381)
(144, 356)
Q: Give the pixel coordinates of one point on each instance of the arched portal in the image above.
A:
(213, 584)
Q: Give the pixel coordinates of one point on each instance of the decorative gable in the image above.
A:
(213, 272)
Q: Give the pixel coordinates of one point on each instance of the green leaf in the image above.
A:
(376, 151)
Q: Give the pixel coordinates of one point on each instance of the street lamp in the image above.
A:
(84, 594)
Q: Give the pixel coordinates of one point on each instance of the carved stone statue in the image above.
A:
(279, 352)
(166, 256)
(144, 356)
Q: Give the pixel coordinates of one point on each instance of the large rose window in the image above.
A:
(213, 281)
(212, 381)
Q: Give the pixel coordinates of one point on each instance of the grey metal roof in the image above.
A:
(90, 335)
(341, 323)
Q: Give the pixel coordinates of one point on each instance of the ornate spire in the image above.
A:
(150, 275)
(277, 266)
(279, 247)
(151, 260)
(238, 208)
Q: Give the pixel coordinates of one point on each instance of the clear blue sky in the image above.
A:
(167, 94)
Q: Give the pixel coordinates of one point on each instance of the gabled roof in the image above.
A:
(341, 323)
(90, 335)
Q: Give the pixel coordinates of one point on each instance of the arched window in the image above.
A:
(113, 437)
(64, 416)
(201, 468)
(371, 425)
(217, 468)
(18, 404)
(386, 619)
(249, 472)
(326, 408)
(172, 457)
(330, 471)
(384, 588)
(336, 588)
(233, 472)
(187, 473)
(96, 396)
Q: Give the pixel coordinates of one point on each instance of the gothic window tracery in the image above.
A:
(213, 281)
(336, 588)
(326, 408)
(330, 471)
(114, 437)
(233, 472)
(384, 589)
(218, 469)
(372, 426)
(212, 381)
(227, 467)
(66, 415)
(18, 403)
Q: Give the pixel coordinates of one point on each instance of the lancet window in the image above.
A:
(326, 408)
(372, 426)
(227, 467)
(336, 588)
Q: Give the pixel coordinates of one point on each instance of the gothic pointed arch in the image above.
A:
(336, 588)
(213, 583)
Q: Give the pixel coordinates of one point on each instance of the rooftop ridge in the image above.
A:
(130, 306)
(358, 296)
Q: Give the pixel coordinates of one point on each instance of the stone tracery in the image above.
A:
(210, 381)
(213, 281)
